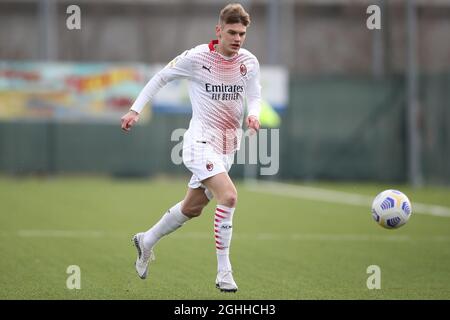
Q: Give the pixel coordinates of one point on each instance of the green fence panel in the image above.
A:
(24, 147)
(435, 127)
(345, 128)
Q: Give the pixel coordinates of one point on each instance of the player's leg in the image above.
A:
(225, 193)
(210, 169)
(191, 206)
(194, 202)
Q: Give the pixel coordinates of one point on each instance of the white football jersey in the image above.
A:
(218, 87)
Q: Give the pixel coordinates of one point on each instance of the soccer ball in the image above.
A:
(391, 209)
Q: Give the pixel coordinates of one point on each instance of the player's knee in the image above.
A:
(229, 199)
(192, 211)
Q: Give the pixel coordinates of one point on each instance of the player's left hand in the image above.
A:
(253, 123)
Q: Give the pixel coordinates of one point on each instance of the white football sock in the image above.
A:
(170, 221)
(223, 230)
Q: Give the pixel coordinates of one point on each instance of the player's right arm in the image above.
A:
(178, 68)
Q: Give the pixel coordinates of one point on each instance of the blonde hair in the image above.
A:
(234, 13)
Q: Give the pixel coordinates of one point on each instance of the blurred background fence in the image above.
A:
(347, 95)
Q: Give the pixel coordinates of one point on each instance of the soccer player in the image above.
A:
(221, 75)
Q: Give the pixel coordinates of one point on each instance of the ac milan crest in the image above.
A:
(243, 69)
(209, 166)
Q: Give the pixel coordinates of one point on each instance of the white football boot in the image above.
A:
(144, 257)
(225, 282)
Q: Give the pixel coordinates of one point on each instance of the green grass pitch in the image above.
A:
(283, 247)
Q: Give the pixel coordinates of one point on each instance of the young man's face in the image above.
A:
(231, 37)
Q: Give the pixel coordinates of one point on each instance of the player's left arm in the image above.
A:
(254, 99)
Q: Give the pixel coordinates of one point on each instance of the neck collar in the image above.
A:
(211, 45)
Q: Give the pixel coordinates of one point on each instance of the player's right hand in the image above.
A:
(129, 119)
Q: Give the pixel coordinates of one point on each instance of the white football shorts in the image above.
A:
(200, 158)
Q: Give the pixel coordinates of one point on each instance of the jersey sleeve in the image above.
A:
(178, 68)
(254, 93)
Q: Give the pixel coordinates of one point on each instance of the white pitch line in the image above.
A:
(237, 236)
(301, 237)
(333, 196)
(60, 234)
